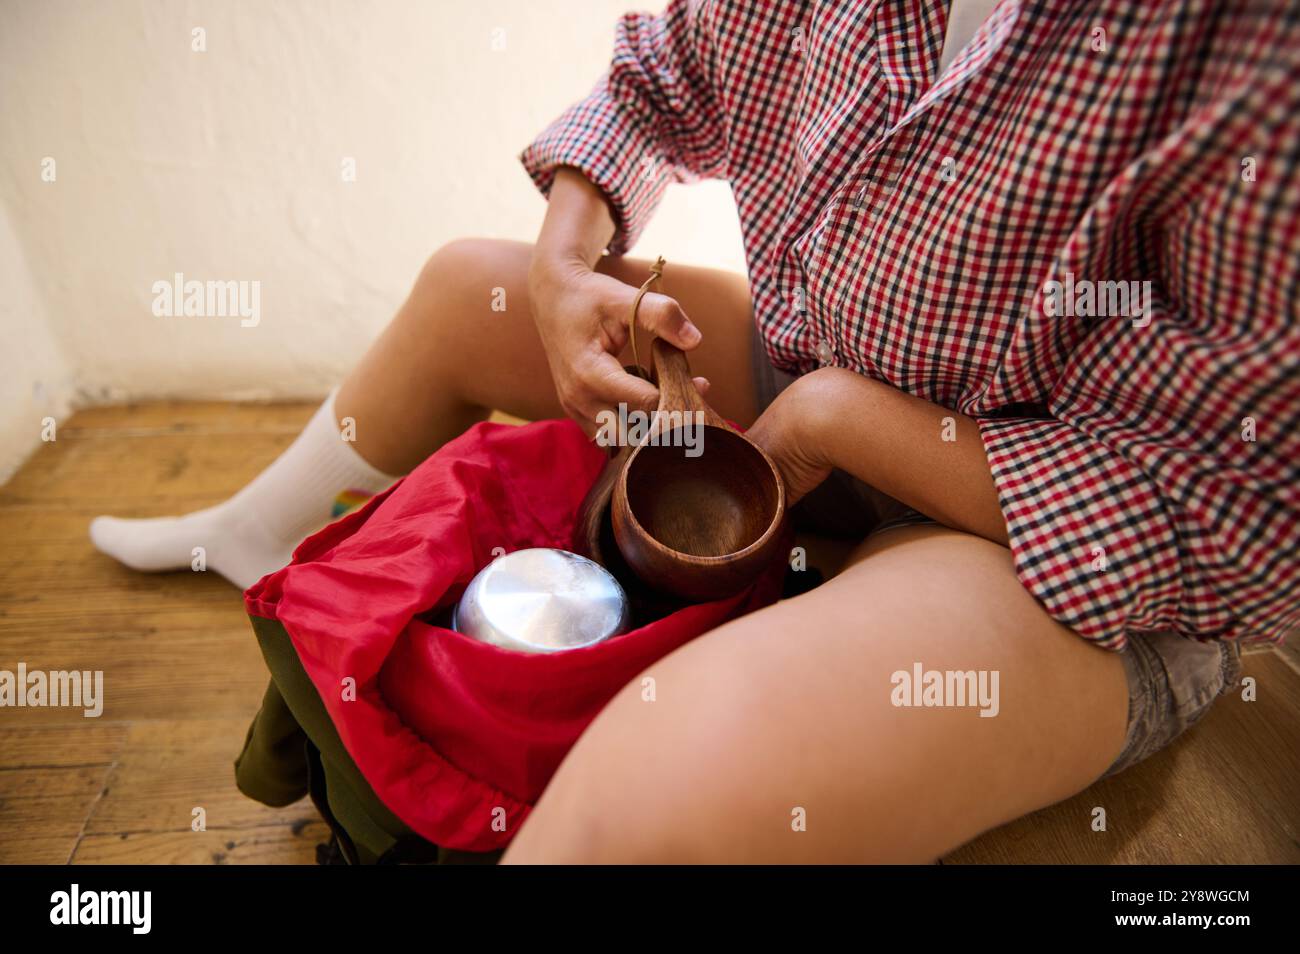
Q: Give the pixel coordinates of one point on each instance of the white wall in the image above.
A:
(226, 164)
(35, 380)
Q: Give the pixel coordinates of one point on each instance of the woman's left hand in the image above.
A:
(923, 455)
(791, 431)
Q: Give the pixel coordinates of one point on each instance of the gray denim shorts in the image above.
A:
(1172, 680)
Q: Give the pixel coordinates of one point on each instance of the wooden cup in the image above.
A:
(702, 527)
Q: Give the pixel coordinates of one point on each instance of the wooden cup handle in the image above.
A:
(672, 375)
(669, 369)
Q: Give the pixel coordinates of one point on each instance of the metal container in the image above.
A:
(542, 601)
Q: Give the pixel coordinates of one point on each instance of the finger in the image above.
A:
(664, 317)
(610, 385)
(615, 306)
(580, 417)
(702, 385)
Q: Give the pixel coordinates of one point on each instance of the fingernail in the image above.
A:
(690, 334)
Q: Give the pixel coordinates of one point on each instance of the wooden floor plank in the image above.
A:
(1227, 792)
(42, 809)
(153, 670)
(88, 742)
(50, 779)
(280, 844)
(142, 476)
(167, 769)
(190, 416)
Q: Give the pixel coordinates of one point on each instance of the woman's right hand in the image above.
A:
(582, 317)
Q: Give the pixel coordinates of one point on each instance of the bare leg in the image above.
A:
(448, 358)
(790, 708)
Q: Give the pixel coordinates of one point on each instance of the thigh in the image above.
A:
(791, 711)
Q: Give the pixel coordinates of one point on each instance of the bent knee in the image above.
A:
(465, 261)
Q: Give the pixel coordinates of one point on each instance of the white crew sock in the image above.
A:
(256, 530)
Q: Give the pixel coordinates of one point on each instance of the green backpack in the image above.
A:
(292, 749)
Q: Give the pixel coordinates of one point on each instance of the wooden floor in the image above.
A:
(183, 677)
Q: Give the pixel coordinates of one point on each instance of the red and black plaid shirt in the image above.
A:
(1147, 463)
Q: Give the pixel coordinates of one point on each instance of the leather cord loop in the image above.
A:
(656, 272)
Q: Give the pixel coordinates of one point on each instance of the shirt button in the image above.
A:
(866, 206)
(825, 353)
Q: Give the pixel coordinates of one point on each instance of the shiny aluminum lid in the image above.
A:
(542, 600)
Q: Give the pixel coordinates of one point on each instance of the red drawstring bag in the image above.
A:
(445, 729)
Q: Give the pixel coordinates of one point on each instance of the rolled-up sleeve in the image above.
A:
(1089, 531)
(1162, 492)
(1191, 525)
(652, 119)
